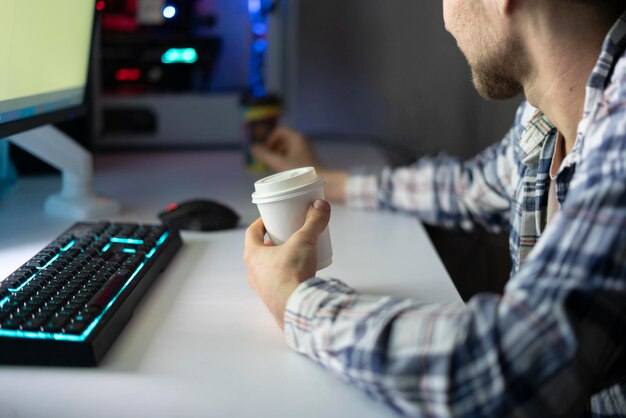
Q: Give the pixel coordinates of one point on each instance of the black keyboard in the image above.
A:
(67, 304)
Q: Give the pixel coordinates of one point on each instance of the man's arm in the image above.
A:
(445, 191)
(441, 191)
(556, 337)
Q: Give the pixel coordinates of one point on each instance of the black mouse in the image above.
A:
(199, 215)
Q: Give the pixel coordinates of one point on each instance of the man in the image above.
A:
(554, 344)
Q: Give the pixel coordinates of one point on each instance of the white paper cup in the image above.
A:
(283, 200)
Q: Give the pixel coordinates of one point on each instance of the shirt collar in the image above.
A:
(538, 129)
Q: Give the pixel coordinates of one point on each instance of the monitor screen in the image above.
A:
(45, 47)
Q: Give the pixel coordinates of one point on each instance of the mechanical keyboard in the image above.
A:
(67, 304)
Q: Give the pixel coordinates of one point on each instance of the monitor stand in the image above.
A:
(77, 200)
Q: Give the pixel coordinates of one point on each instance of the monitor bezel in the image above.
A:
(62, 115)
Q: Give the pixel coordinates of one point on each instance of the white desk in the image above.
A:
(202, 343)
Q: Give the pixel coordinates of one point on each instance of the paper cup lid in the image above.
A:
(285, 183)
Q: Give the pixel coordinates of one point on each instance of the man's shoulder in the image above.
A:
(616, 89)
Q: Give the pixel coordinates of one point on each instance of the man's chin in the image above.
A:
(496, 87)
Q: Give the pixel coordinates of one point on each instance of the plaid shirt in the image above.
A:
(554, 343)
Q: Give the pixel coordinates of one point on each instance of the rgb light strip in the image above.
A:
(94, 323)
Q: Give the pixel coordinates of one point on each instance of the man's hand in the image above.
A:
(274, 271)
(285, 149)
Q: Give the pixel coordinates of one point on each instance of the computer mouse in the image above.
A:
(199, 215)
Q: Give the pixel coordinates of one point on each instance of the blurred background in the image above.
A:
(171, 75)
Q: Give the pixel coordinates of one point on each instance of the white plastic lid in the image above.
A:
(285, 184)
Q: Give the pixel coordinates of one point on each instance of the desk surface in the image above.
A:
(201, 343)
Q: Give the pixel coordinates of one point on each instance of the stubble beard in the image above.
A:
(496, 74)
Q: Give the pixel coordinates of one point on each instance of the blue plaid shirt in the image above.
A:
(554, 344)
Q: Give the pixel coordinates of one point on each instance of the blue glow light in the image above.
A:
(126, 241)
(39, 335)
(82, 337)
(259, 29)
(106, 247)
(169, 12)
(162, 239)
(17, 289)
(68, 246)
(254, 6)
(260, 45)
(129, 251)
(49, 262)
(258, 13)
(24, 284)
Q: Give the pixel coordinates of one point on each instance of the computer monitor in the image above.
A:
(46, 47)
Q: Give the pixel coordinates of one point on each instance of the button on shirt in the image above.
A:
(554, 343)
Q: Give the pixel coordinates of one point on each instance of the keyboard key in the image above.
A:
(76, 327)
(56, 323)
(4, 315)
(109, 290)
(32, 324)
(12, 324)
(36, 262)
(91, 311)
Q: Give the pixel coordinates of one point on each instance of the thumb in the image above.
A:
(317, 218)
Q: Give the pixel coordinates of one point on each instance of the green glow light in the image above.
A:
(127, 241)
(68, 246)
(49, 262)
(25, 283)
(179, 56)
(162, 239)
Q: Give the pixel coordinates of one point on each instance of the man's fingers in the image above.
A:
(265, 155)
(278, 135)
(316, 221)
(255, 233)
(317, 218)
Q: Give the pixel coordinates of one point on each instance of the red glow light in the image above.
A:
(119, 23)
(128, 74)
(100, 5)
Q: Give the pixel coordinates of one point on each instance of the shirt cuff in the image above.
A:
(302, 310)
(362, 190)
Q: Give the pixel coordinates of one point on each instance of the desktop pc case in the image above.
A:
(193, 104)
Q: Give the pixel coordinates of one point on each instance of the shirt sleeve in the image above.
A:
(446, 191)
(555, 338)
